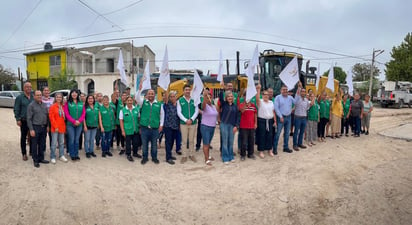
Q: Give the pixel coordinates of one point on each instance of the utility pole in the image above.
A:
(371, 76)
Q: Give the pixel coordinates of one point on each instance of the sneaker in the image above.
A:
(242, 158)
(63, 159)
(144, 161)
(170, 161)
(183, 160)
(130, 158)
(53, 161)
(192, 158)
(233, 161)
(226, 163)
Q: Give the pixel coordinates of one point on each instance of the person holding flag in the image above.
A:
(187, 112)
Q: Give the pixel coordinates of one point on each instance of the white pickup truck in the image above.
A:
(392, 95)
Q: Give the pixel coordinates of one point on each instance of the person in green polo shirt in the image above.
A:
(151, 114)
(129, 125)
(324, 111)
(107, 125)
(313, 120)
(90, 125)
(187, 112)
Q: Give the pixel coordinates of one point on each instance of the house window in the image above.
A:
(141, 63)
(110, 65)
(55, 64)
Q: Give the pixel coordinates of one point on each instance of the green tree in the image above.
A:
(7, 78)
(362, 72)
(338, 73)
(62, 80)
(400, 66)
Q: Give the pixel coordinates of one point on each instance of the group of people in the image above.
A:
(136, 121)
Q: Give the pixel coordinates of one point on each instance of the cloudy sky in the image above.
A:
(350, 27)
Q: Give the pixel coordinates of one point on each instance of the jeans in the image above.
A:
(57, 138)
(179, 141)
(73, 135)
(38, 143)
(226, 131)
(24, 130)
(106, 140)
(357, 122)
(300, 125)
(171, 137)
(248, 141)
(89, 137)
(132, 139)
(149, 135)
(286, 125)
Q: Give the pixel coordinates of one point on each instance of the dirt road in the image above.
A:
(366, 180)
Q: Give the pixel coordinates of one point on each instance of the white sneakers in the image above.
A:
(63, 159)
(53, 161)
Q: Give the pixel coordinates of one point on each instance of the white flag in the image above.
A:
(349, 83)
(121, 68)
(250, 73)
(220, 70)
(197, 88)
(331, 84)
(146, 85)
(290, 74)
(318, 78)
(164, 77)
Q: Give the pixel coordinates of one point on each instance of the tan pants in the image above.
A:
(188, 133)
(335, 124)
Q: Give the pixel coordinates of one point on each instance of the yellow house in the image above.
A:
(43, 64)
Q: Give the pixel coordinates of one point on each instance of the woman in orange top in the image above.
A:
(58, 128)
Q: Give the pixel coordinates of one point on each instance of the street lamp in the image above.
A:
(378, 52)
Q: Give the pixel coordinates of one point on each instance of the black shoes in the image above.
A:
(122, 152)
(303, 146)
(44, 161)
(170, 161)
(130, 158)
(179, 153)
(92, 154)
(173, 158)
(88, 155)
(367, 132)
(197, 148)
(295, 148)
(103, 154)
(36, 164)
(144, 161)
(137, 155)
(242, 158)
(109, 154)
(251, 157)
(287, 150)
(156, 161)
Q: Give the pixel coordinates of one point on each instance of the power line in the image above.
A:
(204, 37)
(101, 15)
(21, 24)
(123, 8)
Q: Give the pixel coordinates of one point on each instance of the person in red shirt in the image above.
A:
(248, 124)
